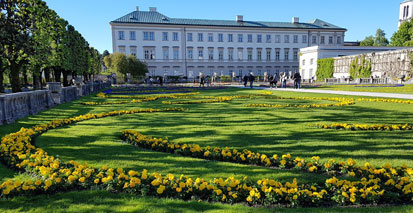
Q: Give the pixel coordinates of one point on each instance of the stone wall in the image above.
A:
(389, 64)
(19, 105)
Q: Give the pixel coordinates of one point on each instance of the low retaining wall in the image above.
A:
(19, 105)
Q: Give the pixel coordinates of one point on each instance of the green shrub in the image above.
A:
(360, 69)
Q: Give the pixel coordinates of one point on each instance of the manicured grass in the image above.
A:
(103, 201)
(233, 124)
(406, 89)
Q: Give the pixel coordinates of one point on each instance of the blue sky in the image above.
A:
(360, 17)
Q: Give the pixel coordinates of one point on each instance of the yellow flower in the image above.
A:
(38, 182)
(161, 189)
(96, 181)
(295, 197)
(82, 179)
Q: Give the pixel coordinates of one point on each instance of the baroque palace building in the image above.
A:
(187, 47)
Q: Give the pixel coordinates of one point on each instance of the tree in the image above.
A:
(403, 36)
(368, 41)
(135, 67)
(15, 36)
(378, 40)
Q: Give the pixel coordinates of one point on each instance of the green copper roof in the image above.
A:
(145, 17)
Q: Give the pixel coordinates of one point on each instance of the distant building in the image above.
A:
(310, 55)
(186, 47)
(406, 11)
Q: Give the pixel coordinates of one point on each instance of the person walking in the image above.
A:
(202, 81)
(245, 80)
(271, 79)
(252, 78)
(276, 79)
(284, 80)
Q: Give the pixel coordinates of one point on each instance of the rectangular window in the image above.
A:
(259, 54)
(210, 54)
(240, 54)
(249, 54)
(220, 37)
(330, 40)
(221, 54)
(268, 39)
(295, 54)
(122, 49)
(165, 53)
(286, 54)
(230, 38)
(148, 36)
(286, 39)
(303, 63)
(268, 54)
(314, 40)
(133, 50)
(240, 38)
(277, 54)
(132, 35)
(210, 37)
(176, 53)
(175, 36)
(322, 40)
(200, 37)
(295, 39)
(259, 38)
(189, 37)
(304, 39)
(200, 53)
(249, 38)
(165, 36)
(311, 61)
(190, 53)
(338, 39)
(277, 39)
(121, 35)
(230, 54)
(149, 53)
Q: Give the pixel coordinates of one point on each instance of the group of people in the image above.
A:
(283, 77)
(250, 78)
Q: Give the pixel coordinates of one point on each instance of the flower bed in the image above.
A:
(341, 102)
(399, 101)
(364, 127)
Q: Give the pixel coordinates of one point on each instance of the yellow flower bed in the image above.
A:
(341, 102)
(103, 95)
(365, 127)
(388, 100)
(376, 185)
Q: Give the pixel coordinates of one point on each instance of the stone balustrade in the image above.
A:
(19, 105)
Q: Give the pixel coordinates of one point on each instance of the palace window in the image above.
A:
(121, 35)
(132, 35)
(175, 36)
(189, 37)
(148, 36)
(165, 36)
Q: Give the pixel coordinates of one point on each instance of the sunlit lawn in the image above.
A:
(233, 124)
(406, 89)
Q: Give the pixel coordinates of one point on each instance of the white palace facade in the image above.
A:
(186, 47)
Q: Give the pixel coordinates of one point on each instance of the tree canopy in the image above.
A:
(404, 35)
(119, 63)
(378, 40)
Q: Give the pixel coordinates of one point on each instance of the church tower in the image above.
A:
(406, 11)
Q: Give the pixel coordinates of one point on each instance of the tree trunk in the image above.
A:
(57, 73)
(1, 80)
(65, 74)
(25, 83)
(47, 74)
(36, 82)
(14, 76)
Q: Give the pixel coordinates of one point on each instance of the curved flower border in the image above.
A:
(363, 127)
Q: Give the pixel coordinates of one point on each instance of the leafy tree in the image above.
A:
(15, 35)
(368, 41)
(378, 40)
(403, 36)
(135, 67)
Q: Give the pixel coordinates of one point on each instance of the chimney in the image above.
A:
(295, 20)
(137, 8)
(240, 18)
(152, 9)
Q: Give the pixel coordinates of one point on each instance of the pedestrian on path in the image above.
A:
(252, 78)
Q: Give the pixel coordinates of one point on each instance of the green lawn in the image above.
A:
(232, 124)
(406, 89)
